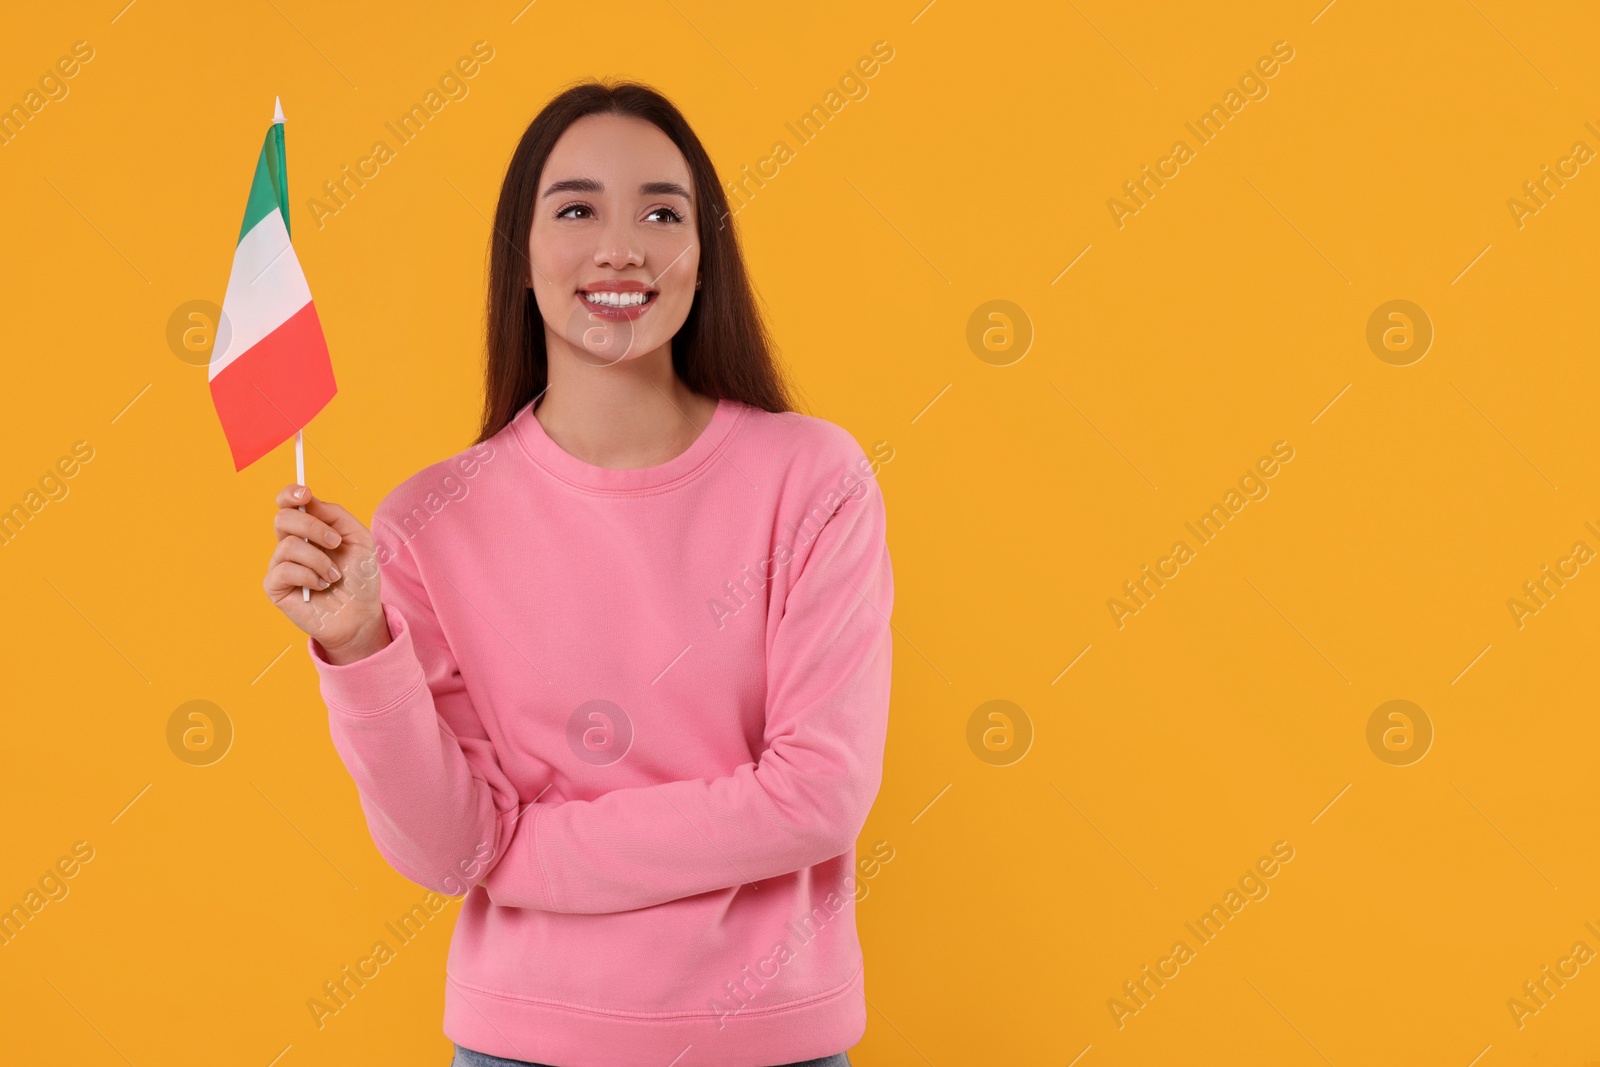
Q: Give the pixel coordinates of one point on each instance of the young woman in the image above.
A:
(618, 672)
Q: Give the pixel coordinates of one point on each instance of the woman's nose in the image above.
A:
(617, 246)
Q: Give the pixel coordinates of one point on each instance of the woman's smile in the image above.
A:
(617, 302)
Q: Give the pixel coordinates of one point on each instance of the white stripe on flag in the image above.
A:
(265, 288)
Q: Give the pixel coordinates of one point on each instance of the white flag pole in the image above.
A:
(299, 442)
(300, 479)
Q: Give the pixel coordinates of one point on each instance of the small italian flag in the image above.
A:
(270, 371)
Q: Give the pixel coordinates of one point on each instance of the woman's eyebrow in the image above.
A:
(590, 185)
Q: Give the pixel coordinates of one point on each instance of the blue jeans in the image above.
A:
(466, 1057)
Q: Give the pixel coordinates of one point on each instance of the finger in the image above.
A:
(347, 525)
(308, 555)
(288, 576)
(292, 522)
(293, 495)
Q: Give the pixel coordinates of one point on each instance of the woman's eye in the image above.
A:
(673, 215)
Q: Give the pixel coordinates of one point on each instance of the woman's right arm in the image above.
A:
(438, 805)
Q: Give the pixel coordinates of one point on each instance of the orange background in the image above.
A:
(1229, 313)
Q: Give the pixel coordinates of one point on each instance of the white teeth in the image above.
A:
(620, 300)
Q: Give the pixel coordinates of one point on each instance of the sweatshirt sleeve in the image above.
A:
(436, 801)
(806, 799)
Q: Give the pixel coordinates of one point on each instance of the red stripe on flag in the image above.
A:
(275, 388)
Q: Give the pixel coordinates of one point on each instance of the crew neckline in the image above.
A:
(543, 450)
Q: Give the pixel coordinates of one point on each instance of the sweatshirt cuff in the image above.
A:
(376, 682)
(518, 879)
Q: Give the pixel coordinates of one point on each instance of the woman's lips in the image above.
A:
(611, 313)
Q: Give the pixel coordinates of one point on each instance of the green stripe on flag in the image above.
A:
(269, 191)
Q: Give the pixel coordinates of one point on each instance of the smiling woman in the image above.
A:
(535, 672)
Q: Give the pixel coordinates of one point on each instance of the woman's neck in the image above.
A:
(621, 419)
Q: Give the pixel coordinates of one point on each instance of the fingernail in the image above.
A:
(332, 538)
(333, 573)
(299, 494)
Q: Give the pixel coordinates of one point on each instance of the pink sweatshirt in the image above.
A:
(638, 718)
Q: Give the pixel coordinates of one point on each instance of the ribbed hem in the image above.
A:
(514, 1028)
(378, 682)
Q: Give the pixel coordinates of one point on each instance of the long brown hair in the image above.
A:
(723, 348)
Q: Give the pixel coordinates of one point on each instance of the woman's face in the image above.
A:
(615, 219)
